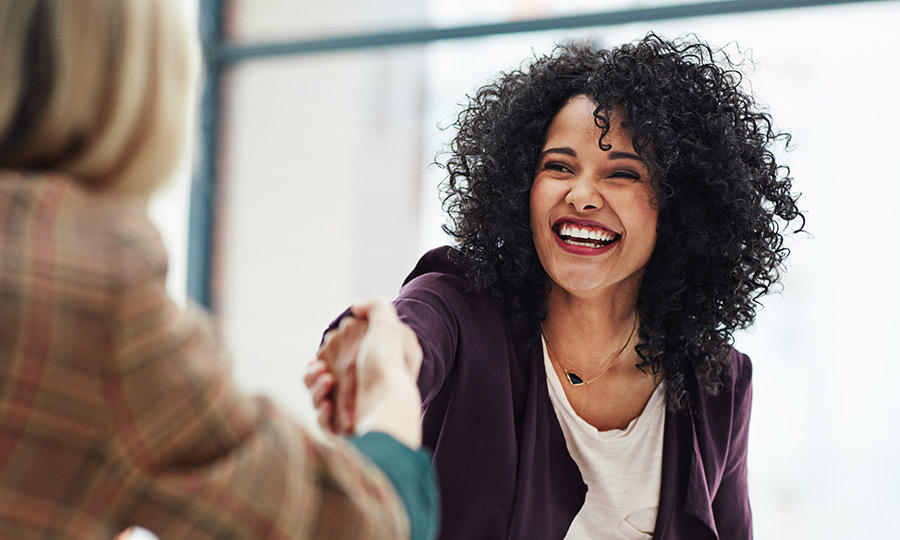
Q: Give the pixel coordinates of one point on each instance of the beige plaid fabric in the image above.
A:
(116, 408)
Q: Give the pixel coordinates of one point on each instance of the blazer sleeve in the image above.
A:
(731, 504)
(194, 458)
(431, 305)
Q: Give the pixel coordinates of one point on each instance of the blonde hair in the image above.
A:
(96, 89)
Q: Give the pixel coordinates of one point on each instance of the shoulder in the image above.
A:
(134, 242)
(721, 413)
(440, 260)
(737, 381)
(439, 281)
(79, 238)
(741, 373)
(75, 265)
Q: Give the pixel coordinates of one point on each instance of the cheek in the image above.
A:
(642, 217)
(539, 205)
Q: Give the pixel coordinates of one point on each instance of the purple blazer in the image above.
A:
(500, 454)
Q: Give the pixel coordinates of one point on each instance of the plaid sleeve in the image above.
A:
(117, 408)
(200, 460)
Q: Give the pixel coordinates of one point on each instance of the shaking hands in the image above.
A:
(364, 376)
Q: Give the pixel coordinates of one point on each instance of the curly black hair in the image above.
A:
(723, 200)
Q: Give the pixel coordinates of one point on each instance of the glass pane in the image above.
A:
(169, 207)
(263, 21)
(322, 167)
(444, 13)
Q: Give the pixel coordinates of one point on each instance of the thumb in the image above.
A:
(375, 310)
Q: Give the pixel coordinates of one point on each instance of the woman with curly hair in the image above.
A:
(618, 215)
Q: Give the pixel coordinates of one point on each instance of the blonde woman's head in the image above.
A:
(96, 89)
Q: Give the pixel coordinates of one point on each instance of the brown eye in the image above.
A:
(556, 166)
(626, 174)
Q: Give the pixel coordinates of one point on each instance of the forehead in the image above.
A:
(575, 121)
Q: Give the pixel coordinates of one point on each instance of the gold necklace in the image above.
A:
(575, 379)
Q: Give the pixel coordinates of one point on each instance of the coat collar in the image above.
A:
(685, 489)
(698, 500)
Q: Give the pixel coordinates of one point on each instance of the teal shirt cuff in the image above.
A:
(411, 474)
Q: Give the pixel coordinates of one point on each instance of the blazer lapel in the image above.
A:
(676, 442)
(684, 489)
(698, 500)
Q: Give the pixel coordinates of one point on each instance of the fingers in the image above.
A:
(325, 416)
(347, 324)
(375, 310)
(321, 388)
(345, 419)
(337, 384)
(366, 355)
(313, 370)
(412, 352)
(392, 333)
(321, 384)
(339, 346)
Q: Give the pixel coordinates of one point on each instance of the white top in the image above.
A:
(621, 467)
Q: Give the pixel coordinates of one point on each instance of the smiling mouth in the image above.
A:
(590, 237)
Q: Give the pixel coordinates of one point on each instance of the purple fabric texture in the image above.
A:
(501, 459)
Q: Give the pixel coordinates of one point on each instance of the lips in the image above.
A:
(584, 234)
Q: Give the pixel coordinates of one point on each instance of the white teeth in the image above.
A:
(587, 234)
(577, 243)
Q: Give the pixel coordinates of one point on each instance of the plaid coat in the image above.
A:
(116, 407)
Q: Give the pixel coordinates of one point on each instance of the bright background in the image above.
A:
(328, 196)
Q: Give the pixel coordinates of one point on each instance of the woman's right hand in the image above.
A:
(364, 378)
(320, 382)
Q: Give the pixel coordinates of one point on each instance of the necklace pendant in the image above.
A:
(574, 380)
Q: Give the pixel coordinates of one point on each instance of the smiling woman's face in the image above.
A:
(592, 217)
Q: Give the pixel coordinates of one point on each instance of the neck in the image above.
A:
(588, 332)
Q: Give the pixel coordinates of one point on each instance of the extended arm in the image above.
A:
(191, 457)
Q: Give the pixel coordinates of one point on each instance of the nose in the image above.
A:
(583, 195)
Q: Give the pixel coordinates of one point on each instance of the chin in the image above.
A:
(579, 283)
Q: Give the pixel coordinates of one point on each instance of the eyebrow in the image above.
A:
(560, 150)
(615, 154)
